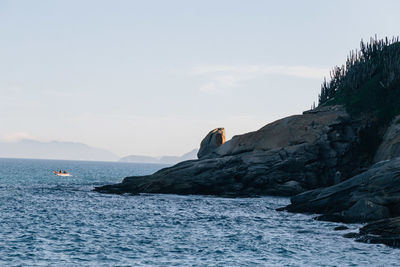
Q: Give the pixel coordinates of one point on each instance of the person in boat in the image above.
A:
(64, 171)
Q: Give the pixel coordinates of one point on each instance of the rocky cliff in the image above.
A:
(284, 158)
(373, 195)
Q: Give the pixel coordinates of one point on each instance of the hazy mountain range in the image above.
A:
(161, 160)
(54, 150)
(32, 149)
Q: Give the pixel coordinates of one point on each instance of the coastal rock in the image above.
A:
(308, 128)
(386, 231)
(390, 146)
(284, 158)
(341, 228)
(372, 196)
(366, 210)
(369, 196)
(211, 142)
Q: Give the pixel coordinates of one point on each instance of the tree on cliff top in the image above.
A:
(369, 81)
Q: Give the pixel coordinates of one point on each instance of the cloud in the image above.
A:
(17, 136)
(219, 83)
(223, 77)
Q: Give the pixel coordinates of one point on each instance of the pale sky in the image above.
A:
(154, 77)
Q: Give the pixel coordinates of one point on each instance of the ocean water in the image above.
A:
(58, 221)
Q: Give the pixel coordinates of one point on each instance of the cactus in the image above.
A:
(374, 57)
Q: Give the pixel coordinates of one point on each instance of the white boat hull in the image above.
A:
(61, 174)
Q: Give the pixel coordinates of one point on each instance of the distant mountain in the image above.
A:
(54, 150)
(161, 160)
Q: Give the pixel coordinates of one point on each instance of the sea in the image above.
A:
(46, 220)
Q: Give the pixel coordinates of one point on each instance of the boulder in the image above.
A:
(365, 210)
(386, 231)
(371, 195)
(341, 228)
(211, 142)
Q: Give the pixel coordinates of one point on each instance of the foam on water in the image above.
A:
(50, 220)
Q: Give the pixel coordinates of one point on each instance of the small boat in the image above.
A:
(62, 173)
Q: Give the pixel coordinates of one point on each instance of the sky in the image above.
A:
(154, 77)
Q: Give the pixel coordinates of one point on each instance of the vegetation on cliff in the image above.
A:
(368, 85)
(369, 82)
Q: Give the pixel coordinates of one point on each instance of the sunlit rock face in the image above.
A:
(211, 142)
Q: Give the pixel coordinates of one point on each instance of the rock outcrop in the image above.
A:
(285, 157)
(211, 142)
(372, 196)
(369, 196)
(386, 231)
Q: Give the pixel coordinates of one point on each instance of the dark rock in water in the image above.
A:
(211, 142)
(341, 228)
(351, 235)
(284, 158)
(385, 231)
(371, 195)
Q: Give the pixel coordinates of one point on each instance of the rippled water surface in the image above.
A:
(49, 220)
